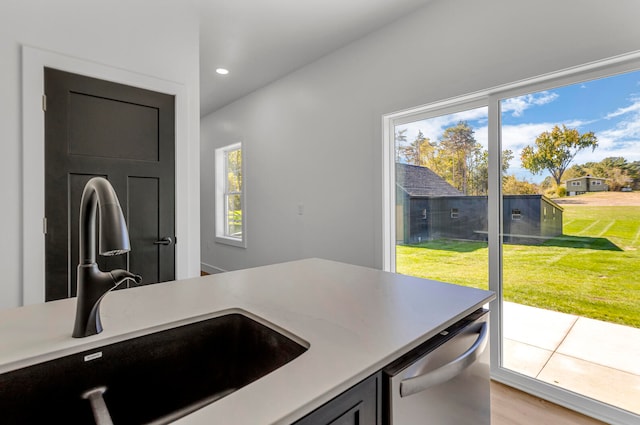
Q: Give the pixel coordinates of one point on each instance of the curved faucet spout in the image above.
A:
(114, 237)
(94, 284)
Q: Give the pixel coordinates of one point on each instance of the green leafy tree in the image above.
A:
(554, 150)
(618, 172)
(234, 187)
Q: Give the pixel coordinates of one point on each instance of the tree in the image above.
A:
(419, 152)
(618, 172)
(554, 150)
(233, 160)
(507, 156)
(461, 152)
(512, 186)
(401, 137)
(634, 173)
(457, 157)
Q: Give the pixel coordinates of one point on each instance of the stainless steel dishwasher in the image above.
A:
(444, 381)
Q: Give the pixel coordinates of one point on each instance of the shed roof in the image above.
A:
(421, 181)
(586, 177)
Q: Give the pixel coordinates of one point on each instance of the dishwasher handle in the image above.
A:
(420, 383)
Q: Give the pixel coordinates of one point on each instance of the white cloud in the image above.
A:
(469, 115)
(516, 137)
(624, 138)
(634, 107)
(517, 105)
(628, 150)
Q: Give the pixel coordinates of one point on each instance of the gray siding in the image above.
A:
(527, 219)
(586, 184)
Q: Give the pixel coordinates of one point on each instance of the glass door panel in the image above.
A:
(441, 174)
(571, 238)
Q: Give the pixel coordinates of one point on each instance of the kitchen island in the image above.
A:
(353, 320)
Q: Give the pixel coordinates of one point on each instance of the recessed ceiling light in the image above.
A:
(222, 71)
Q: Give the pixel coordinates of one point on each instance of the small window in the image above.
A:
(454, 213)
(516, 214)
(230, 211)
(424, 214)
(596, 183)
(575, 183)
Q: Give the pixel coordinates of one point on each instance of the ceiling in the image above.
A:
(259, 41)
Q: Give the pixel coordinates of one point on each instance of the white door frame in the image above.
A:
(34, 61)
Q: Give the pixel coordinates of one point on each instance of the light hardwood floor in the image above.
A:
(513, 407)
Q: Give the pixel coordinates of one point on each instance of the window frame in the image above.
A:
(222, 195)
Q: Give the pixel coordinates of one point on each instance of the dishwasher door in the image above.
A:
(444, 381)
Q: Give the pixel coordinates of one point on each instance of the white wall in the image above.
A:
(314, 137)
(156, 38)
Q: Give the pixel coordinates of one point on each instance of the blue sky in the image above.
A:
(610, 107)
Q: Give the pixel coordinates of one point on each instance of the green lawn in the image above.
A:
(591, 271)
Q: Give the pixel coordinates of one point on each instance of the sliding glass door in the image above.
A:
(533, 191)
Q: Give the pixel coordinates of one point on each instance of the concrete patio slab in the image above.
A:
(524, 358)
(544, 329)
(597, 359)
(608, 344)
(599, 382)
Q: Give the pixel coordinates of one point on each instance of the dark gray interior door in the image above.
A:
(127, 135)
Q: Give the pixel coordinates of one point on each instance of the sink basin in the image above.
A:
(154, 378)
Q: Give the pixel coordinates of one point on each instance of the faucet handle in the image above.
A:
(120, 276)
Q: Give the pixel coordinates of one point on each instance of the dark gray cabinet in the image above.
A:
(359, 405)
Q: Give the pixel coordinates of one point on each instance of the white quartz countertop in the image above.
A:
(354, 320)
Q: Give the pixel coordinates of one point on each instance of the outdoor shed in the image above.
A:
(530, 219)
(412, 184)
(428, 208)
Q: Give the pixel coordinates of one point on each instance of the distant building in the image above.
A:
(585, 184)
(427, 208)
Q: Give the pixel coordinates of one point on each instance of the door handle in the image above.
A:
(420, 383)
(164, 241)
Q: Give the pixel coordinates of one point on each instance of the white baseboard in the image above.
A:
(207, 268)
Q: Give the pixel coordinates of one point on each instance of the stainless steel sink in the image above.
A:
(150, 379)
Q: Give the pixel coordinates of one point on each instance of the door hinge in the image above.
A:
(44, 225)
(44, 103)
